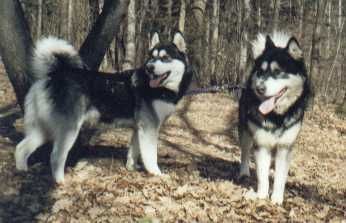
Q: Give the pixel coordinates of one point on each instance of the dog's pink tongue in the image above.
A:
(154, 83)
(267, 106)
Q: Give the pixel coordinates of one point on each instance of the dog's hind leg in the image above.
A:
(63, 143)
(282, 161)
(133, 153)
(246, 144)
(27, 146)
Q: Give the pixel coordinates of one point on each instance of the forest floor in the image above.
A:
(199, 154)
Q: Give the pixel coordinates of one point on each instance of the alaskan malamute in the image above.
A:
(271, 110)
(66, 95)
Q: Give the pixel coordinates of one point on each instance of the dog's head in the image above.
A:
(167, 63)
(279, 75)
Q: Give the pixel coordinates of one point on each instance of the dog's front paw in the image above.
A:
(277, 199)
(155, 172)
(131, 166)
(252, 195)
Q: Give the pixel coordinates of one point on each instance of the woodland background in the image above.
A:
(218, 34)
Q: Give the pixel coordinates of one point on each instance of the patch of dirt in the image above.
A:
(199, 154)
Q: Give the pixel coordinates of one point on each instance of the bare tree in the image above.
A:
(102, 33)
(130, 45)
(245, 23)
(214, 29)
(39, 18)
(301, 18)
(69, 20)
(182, 13)
(277, 6)
(15, 46)
(16, 42)
(315, 43)
(329, 23)
(198, 8)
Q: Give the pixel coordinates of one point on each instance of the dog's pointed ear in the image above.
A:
(269, 43)
(179, 41)
(294, 49)
(155, 39)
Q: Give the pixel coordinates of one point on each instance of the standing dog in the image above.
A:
(271, 110)
(66, 95)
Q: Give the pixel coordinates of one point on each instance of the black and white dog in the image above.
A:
(66, 95)
(271, 110)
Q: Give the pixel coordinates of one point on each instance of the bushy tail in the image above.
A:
(52, 54)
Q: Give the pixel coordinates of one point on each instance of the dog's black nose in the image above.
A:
(150, 67)
(260, 89)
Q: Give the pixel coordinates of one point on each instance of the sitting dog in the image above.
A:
(66, 95)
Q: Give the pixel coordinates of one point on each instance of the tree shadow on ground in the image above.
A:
(32, 198)
(8, 116)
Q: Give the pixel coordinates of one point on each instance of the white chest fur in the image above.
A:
(163, 109)
(271, 140)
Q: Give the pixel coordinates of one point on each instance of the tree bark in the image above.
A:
(198, 8)
(98, 40)
(69, 20)
(244, 39)
(93, 10)
(276, 14)
(329, 28)
(315, 45)
(301, 19)
(214, 28)
(130, 45)
(182, 14)
(39, 19)
(15, 46)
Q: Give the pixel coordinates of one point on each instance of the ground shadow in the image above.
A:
(33, 197)
(8, 116)
(218, 169)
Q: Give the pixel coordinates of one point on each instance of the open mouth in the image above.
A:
(268, 105)
(157, 80)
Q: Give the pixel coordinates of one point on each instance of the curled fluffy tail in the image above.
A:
(52, 54)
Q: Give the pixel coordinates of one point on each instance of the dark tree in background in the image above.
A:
(16, 42)
(15, 46)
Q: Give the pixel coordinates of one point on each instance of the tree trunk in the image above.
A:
(16, 43)
(328, 28)
(130, 45)
(15, 46)
(101, 35)
(259, 16)
(276, 14)
(93, 10)
(182, 14)
(244, 39)
(69, 20)
(198, 8)
(206, 50)
(315, 45)
(301, 19)
(214, 29)
(39, 19)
